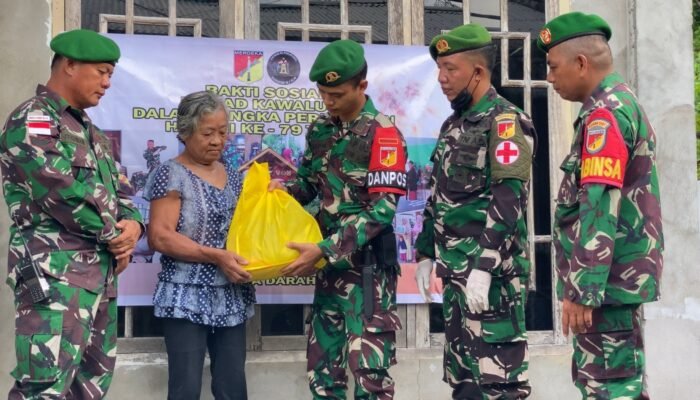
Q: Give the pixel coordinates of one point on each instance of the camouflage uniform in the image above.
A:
(152, 157)
(61, 187)
(608, 238)
(475, 218)
(356, 205)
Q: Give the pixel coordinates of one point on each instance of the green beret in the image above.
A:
(337, 63)
(461, 38)
(569, 26)
(85, 45)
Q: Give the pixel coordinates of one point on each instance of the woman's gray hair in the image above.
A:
(192, 108)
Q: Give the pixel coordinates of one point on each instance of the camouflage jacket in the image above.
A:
(358, 169)
(152, 157)
(475, 216)
(607, 230)
(62, 188)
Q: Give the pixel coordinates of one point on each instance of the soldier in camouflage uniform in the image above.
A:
(152, 155)
(607, 232)
(70, 219)
(355, 161)
(474, 223)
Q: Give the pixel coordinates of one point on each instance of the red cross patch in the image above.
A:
(507, 152)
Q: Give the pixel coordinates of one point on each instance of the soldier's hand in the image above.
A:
(423, 272)
(576, 317)
(123, 245)
(304, 265)
(478, 284)
(121, 265)
(231, 265)
(276, 184)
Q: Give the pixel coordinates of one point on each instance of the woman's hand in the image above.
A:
(231, 265)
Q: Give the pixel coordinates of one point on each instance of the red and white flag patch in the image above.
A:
(38, 127)
(507, 152)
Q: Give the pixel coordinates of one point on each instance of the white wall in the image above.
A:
(665, 76)
(652, 45)
(24, 37)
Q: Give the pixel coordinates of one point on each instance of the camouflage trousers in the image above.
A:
(341, 337)
(66, 345)
(486, 355)
(608, 362)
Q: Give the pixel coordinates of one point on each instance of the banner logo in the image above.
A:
(248, 65)
(283, 67)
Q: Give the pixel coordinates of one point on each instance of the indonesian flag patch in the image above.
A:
(604, 156)
(507, 152)
(38, 127)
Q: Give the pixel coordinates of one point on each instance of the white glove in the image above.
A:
(478, 285)
(423, 272)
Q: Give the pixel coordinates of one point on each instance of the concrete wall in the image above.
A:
(652, 48)
(652, 45)
(25, 31)
(664, 75)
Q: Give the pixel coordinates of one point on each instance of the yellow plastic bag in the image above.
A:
(264, 222)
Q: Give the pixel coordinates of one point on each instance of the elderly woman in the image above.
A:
(203, 294)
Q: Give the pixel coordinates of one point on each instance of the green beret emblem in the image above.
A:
(442, 46)
(546, 36)
(332, 77)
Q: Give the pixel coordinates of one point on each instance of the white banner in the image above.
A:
(272, 103)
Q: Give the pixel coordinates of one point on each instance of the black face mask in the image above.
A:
(464, 98)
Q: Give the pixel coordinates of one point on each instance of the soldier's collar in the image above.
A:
(360, 125)
(608, 83)
(61, 105)
(57, 102)
(595, 100)
(481, 108)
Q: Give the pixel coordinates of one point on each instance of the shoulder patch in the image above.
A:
(507, 152)
(387, 165)
(37, 122)
(37, 115)
(510, 149)
(596, 133)
(38, 127)
(604, 156)
(505, 125)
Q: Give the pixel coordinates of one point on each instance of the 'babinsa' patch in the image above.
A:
(604, 157)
